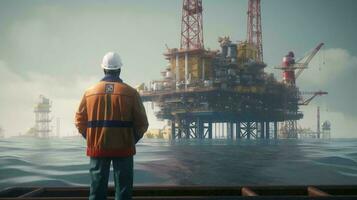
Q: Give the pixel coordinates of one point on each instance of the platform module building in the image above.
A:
(206, 92)
(226, 92)
(42, 112)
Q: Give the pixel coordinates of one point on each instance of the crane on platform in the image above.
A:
(305, 102)
(306, 60)
(289, 65)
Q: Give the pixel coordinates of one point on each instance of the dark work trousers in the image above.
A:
(123, 177)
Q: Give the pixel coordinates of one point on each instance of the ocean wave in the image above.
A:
(46, 172)
(62, 162)
(354, 154)
(335, 160)
(38, 181)
(13, 160)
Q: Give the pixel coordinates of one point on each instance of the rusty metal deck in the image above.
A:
(189, 192)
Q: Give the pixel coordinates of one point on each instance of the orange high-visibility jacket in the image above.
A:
(112, 117)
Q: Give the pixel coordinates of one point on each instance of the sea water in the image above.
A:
(62, 162)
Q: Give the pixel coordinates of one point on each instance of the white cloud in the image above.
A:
(19, 95)
(329, 64)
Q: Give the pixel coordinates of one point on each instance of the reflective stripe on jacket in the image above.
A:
(112, 118)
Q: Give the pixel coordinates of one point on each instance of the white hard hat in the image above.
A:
(111, 61)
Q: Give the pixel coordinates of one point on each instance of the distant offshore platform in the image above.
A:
(42, 111)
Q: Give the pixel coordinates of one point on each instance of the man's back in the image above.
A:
(115, 118)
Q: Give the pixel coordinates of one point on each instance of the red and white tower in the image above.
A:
(191, 26)
(254, 27)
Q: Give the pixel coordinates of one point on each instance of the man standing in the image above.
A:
(112, 118)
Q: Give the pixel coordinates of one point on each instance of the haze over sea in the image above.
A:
(62, 162)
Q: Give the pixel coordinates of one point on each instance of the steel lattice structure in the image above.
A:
(42, 117)
(254, 27)
(191, 25)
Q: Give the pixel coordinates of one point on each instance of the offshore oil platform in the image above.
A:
(226, 93)
(42, 112)
(322, 131)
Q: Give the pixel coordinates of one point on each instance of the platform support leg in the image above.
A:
(199, 128)
(262, 134)
(230, 130)
(238, 130)
(267, 130)
(210, 130)
(188, 129)
(275, 130)
(248, 130)
(179, 129)
(173, 129)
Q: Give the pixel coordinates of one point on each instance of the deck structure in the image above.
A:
(190, 192)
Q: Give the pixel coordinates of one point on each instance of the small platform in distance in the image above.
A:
(189, 192)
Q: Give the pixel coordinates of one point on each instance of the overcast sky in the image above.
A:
(54, 48)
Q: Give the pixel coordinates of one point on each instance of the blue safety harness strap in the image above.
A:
(110, 123)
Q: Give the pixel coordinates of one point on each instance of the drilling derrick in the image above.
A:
(191, 25)
(254, 28)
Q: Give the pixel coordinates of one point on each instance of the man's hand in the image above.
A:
(136, 136)
(84, 134)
